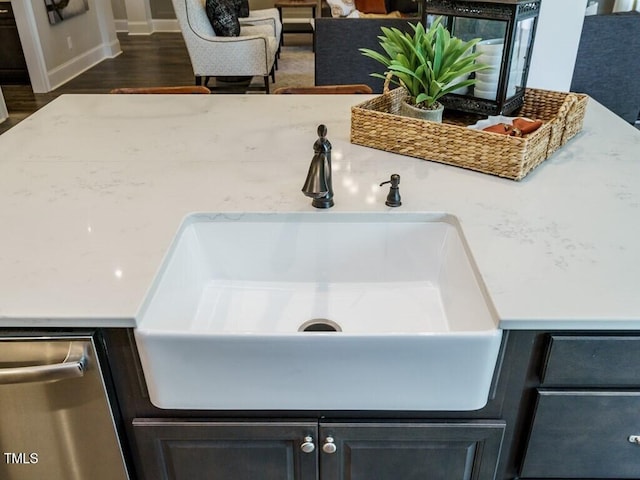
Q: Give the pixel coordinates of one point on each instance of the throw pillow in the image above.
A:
(242, 8)
(223, 17)
(371, 6)
(341, 8)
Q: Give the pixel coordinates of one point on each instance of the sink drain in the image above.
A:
(319, 325)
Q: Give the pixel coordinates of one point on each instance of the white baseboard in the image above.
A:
(158, 25)
(166, 25)
(80, 64)
(140, 28)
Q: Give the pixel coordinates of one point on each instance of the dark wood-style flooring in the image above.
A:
(160, 59)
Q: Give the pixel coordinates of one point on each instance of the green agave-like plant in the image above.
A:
(426, 63)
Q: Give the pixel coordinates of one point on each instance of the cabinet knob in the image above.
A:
(634, 439)
(308, 446)
(329, 446)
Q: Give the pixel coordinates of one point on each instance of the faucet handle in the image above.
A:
(322, 130)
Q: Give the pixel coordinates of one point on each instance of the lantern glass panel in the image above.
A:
(519, 60)
(469, 28)
(505, 29)
(492, 34)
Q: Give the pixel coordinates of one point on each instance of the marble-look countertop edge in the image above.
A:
(68, 323)
(503, 324)
(495, 213)
(570, 325)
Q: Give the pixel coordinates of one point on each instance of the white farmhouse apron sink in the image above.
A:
(231, 320)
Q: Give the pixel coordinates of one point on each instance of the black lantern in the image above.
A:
(507, 29)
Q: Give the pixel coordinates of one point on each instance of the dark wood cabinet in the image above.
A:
(565, 406)
(585, 423)
(13, 67)
(193, 450)
(411, 451)
(202, 450)
(592, 361)
(584, 434)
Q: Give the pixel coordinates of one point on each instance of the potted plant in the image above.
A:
(428, 64)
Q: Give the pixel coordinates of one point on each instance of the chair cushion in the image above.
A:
(256, 30)
(223, 17)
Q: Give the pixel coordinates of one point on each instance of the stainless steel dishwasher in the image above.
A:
(55, 418)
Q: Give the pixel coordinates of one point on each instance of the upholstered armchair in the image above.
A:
(253, 53)
(265, 16)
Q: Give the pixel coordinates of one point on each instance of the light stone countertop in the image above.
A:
(94, 187)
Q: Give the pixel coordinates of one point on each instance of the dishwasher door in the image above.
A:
(55, 418)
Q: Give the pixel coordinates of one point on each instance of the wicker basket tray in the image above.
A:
(575, 117)
(376, 123)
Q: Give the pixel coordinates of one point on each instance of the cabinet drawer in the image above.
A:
(596, 361)
(584, 434)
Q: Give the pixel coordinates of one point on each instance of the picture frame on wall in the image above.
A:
(60, 10)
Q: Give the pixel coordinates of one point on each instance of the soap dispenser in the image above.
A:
(393, 198)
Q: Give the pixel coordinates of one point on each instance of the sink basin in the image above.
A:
(318, 311)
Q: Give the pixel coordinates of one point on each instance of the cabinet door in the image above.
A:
(13, 67)
(193, 450)
(584, 434)
(410, 451)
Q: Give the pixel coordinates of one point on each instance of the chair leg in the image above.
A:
(202, 80)
(266, 84)
(273, 74)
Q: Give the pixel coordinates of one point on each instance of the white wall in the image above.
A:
(143, 17)
(57, 53)
(556, 44)
(119, 9)
(159, 8)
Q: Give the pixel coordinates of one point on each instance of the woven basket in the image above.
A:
(377, 124)
(575, 117)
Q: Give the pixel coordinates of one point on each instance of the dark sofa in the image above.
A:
(337, 58)
(608, 62)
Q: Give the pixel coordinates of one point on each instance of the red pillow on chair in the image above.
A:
(371, 6)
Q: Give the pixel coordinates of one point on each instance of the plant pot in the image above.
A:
(434, 115)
